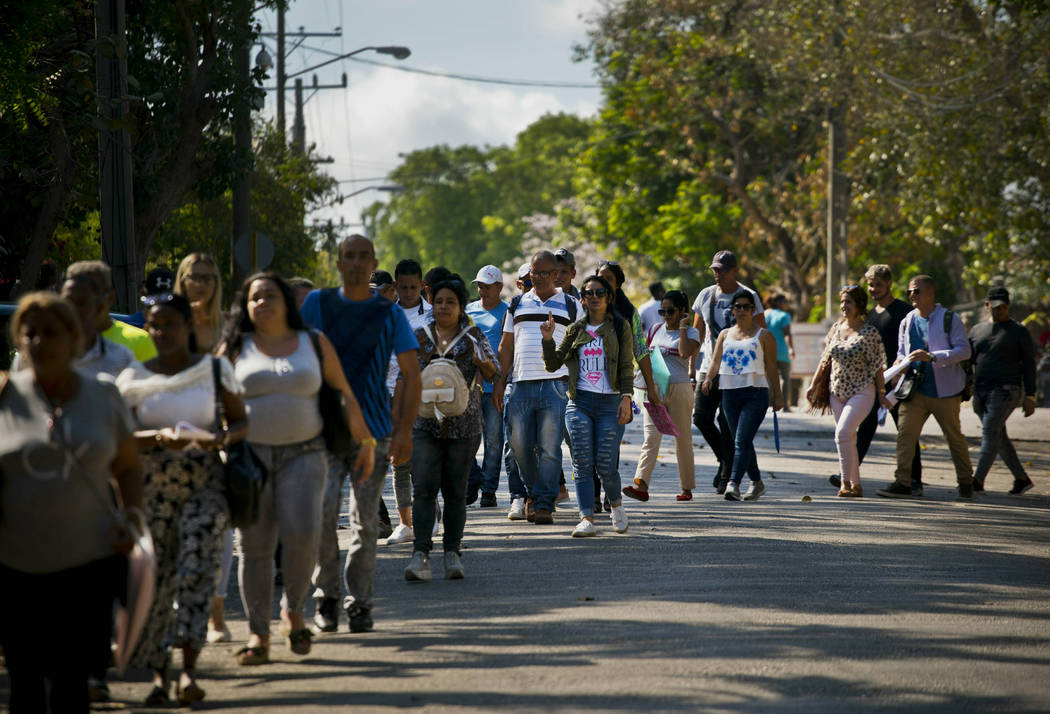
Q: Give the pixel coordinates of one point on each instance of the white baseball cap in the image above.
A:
(524, 270)
(488, 275)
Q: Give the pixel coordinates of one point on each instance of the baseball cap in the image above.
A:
(380, 278)
(998, 296)
(724, 260)
(489, 275)
(564, 256)
(524, 270)
(159, 280)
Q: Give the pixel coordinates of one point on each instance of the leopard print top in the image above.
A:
(855, 360)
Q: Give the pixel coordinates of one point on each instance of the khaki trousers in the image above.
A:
(913, 415)
(679, 403)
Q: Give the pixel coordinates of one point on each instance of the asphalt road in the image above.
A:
(799, 602)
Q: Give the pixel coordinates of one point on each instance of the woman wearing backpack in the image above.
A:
(599, 356)
(451, 354)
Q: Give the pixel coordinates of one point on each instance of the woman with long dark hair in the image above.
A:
(173, 397)
(275, 359)
(597, 351)
(444, 447)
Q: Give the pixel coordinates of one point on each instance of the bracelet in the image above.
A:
(370, 441)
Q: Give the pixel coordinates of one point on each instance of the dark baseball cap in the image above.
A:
(564, 256)
(159, 280)
(380, 278)
(998, 296)
(724, 260)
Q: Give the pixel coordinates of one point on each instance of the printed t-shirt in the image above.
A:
(594, 373)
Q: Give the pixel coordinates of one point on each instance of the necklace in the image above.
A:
(55, 406)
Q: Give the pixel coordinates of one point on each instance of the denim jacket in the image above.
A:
(949, 350)
(619, 353)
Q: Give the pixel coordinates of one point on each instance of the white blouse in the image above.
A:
(161, 400)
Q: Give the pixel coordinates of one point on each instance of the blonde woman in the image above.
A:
(198, 281)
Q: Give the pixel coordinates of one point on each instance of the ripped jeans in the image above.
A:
(594, 443)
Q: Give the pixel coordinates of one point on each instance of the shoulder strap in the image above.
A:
(570, 307)
(514, 303)
(220, 406)
(947, 325)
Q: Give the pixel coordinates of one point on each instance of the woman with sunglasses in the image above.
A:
(598, 354)
(275, 359)
(858, 358)
(677, 341)
(745, 362)
(65, 437)
(173, 398)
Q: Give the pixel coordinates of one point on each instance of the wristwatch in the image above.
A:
(933, 357)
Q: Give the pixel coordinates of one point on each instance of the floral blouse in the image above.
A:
(467, 424)
(855, 360)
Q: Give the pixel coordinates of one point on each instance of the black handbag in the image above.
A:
(245, 473)
(910, 381)
(335, 429)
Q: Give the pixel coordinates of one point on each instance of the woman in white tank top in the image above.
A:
(745, 361)
(275, 359)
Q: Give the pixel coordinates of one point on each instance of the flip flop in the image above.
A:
(251, 656)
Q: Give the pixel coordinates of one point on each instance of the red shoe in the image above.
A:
(684, 496)
(636, 493)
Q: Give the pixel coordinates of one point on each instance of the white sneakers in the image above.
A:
(619, 519)
(732, 492)
(453, 566)
(756, 490)
(584, 529)
(401, 534)
(517, 510)
(418, 569)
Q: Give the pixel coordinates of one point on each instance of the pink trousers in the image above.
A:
(848, 416)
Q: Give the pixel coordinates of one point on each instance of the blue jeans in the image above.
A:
(745, 408)
(487, 475)
(535, 419)
(994, 405)
(595, 445)
(510, 465)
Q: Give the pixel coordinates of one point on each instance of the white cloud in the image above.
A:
(565, 16)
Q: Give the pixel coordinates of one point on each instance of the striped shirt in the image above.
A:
(528, 342)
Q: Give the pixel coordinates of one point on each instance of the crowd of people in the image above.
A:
(103, 423)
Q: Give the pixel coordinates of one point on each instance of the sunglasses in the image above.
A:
(844, 288)
(157, 299)
(597, 292)
(542, 273)
(669, 311)
(914, 291)
(743, 306)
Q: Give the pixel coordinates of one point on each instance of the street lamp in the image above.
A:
(396, 51)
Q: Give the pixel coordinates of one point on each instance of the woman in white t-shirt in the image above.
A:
(677, 342)
(745, 361)
(597, 351)
(173, 399)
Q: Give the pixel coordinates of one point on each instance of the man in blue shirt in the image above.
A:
(365, 328)
(488, 313)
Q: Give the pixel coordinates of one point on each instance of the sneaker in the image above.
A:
(543, 517)
(327, 616)
(597, 505)
(835, 480)
(472, 493)
(723, 483)
(717, 480)
(453, 566)
(895, 490)
(584, 529)
(385, 530)
(360, 618)
(530, 510)
(619, 519)
(1021, 486)
(401, 534)
(636, 493)
(563, 494)
(488, 500)
(418, 569)
(732, 491)
(978, 486)
(757, 489)
(916, 489)
(966, 490)
(517, 510)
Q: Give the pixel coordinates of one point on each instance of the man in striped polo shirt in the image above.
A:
(536, 405)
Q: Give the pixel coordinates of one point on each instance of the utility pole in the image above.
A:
(299, 126)
(281, 81)
(838, 191)
(116, 206)
(242, 134)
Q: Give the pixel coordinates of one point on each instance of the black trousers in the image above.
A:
(55, 629)
(707, 411)
(866, 433)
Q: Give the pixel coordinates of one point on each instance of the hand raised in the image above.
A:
(547, 327)
(685, 323)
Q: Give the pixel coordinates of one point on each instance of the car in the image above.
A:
(7, 347)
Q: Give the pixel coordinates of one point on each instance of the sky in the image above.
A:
(385, 112)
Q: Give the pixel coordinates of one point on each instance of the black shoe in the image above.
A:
(723, 482)
(1021, 486)
(327, 616)
(608, 506)
(472, 493)
(895, 490)
(488, 500)
(360, 618)
(978, 486)
(965, 490)
(916, 489)
(835, 480)
(716, 482)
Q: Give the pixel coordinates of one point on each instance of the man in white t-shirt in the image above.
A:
(536, 405)
(712, 313)
(649, 311)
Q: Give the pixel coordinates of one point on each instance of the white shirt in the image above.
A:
(528, 342)
(593, 375)
(649, 314)
(723, 316)
(417, 317)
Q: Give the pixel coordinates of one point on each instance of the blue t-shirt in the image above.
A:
(919, 338)
(364, 334)
(776, 321)
(491, 323)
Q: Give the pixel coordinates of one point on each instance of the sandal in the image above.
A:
(684, 496)
(299, 641)
(636, 493)
(251, 656)
(190, 695)
(158, 697)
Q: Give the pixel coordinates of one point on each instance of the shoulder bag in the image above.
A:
(335, 429)
(245, 473)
